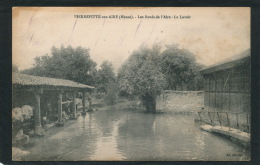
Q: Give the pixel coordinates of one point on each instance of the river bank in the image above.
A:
(111, 133)
(235, 135)
(174, 102)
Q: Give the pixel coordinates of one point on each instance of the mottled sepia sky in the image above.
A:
(212, 34)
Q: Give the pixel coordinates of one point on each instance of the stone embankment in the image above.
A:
(234, 134)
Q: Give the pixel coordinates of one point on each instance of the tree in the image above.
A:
(111, 95)
(140, 76)
(180, 69)
(105, 76)
(14, 68)
(66, 63)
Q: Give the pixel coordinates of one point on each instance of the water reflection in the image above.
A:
(127, 135)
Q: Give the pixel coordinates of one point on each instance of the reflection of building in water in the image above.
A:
(227, 87)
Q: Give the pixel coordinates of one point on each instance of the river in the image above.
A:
(132, 135)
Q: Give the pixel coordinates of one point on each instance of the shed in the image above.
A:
(227, 84)
(36, 87)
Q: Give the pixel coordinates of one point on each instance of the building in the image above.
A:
(227, 85)
(49, 97)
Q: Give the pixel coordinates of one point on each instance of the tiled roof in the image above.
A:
(29, 80)
(227, 63)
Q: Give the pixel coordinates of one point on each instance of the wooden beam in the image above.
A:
(65, 102)
(41, 90)
(222, 76)
(90, 104)
(74, 110)
(38, 109)
(52, 88)
(37, 115)
(240, 89)
(215, 77)
(84, 102)
(229, 89)
(60, 122)
(209, 89)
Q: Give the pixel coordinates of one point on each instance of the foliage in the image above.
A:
(111, 95)
(180, 68)
(105, 76)
(17, 114)
(148, 71)
(20, 114)
(14, 68)
(67, 63)
(140, 76)
(106, 84)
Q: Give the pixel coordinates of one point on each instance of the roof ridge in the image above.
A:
(236, 57)
(26, 79)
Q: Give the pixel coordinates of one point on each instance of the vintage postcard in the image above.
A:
(131, 84)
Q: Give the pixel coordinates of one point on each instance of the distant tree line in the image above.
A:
(144, 74)
(75, 64)
(66, 63)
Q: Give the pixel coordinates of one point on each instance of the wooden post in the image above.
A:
(247, 122)
(205, 88)
(74, 110)
(210, 118)
(228, 121)
(215, 77)
(37, 114)
(219, 120)
(229, 90)
(84, 102)
(209, 89)
(241, 92)
(60, 122)
(200, 118)
(222, 90)
(237, 120)
(90, 104)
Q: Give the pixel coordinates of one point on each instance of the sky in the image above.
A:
(212, 34)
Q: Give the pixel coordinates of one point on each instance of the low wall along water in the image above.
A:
(180, 101)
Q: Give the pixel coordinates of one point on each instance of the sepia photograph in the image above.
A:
(131, 84)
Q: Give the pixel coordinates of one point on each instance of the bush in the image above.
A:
(17, 115)
(27, 111)
(111, 96)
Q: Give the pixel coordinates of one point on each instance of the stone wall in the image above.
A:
(180, 101)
